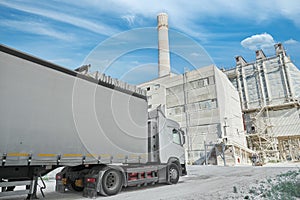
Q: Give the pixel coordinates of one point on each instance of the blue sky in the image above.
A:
(72, 33)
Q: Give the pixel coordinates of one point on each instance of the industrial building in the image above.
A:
(269, 90)
(205, 104)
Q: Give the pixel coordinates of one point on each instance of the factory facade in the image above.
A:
(269, 90)
(207, 107)
(204, 103)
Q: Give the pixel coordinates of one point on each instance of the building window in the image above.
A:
(205, 82)
(175, 110)
(148, 88)
(157, 86)
(201, 83)
(203, 105)
(211, 80)
(214, 103)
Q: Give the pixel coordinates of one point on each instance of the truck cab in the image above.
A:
(167, 140)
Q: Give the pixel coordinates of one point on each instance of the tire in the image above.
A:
(172, 174)
(112, 182)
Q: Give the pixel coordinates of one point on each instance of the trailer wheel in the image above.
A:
(172, 174)
(112, 182)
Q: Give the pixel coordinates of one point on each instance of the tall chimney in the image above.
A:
(163, 45)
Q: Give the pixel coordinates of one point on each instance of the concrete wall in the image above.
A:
(230, 110)
(286, 122)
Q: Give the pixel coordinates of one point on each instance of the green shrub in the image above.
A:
(273, 161)
(283, 186)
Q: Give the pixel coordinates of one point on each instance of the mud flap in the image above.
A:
(90, 193)
(60, 187)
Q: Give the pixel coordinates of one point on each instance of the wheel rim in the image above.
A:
(112, 180)
(173, 174)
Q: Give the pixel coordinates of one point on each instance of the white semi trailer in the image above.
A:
(96, 127)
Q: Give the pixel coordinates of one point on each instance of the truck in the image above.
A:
(97, 128)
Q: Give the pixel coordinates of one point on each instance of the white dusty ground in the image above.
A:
(202, 182)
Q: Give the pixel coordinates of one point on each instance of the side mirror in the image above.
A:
(182, 137)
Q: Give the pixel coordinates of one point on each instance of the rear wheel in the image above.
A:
(112, 182)
(172, 174)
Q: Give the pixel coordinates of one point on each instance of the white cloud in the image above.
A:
(130, 19)
(135, 62)
(291, 41)
(188, 16)
(36, 28)
(289, 9)
(260, 41)
(195, 54)
(98, 27)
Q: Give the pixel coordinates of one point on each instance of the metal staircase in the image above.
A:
(261, 139)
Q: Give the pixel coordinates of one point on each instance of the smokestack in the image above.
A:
(163, 45)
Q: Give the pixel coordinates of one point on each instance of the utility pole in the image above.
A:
(223, 151)
(186, 114)
(205, 151)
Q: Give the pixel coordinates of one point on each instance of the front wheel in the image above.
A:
(172, 174)
(112, 182)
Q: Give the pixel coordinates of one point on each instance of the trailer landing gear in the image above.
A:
(30, 187)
